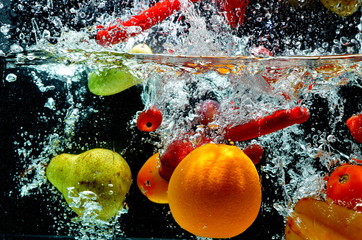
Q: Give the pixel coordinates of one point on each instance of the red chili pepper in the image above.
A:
(357, 160)
(354, 125)
(254, 152)
(149, 120)
(145, 20)
(274, 122)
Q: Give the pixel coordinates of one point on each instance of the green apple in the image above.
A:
(96, 180)
(109, 81)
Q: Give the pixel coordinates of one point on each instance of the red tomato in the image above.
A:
(354, 125)
(150, 182)
(344, 186)
(149, 120)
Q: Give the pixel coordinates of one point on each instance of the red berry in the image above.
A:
(254, 152)
(354, 125)
(207, 111)
(149, 120)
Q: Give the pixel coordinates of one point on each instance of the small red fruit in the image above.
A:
(354, 125)
(149, 120)
(344, 186)
(254, 152)
(175, 152)
(234, 11)
(207, 111)
(260, 51)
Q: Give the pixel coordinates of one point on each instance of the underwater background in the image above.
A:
(46, 107)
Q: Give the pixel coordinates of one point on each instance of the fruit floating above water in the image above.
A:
(319, 220)
(141, 48)
(144, 20)
(150, 182)
(149, 120)
(215, 192)
(110, 81)
(343, 8)
(354, 125)
(98, 175)
(234, 11)
(344, 186)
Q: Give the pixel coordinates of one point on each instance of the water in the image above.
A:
(47, 108)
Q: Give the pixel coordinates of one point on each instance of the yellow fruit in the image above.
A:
(215, 191)
(319, 220)
(150, 183)
(141, 48)
(343, 8)
(99, 178)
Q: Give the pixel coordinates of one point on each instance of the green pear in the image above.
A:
(109, 81)
(98, 177)
(343, 8)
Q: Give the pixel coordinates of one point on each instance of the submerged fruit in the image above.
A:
(149, 120)
(354, 125)
(109, 81)
(98, 179)
(318, 220)
(150, 182)
(175, 152)
(215, 192)
(255, 152)
(344, 186)
(208, 111)
(343, 8)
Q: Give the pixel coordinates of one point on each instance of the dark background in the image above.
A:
(22, 103)
(277, 25)
(21, 110)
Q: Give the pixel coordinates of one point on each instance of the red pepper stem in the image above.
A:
(145, 20)
(274, 122)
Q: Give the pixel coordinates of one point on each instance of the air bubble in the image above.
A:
(11, 77)
(331, 138)
(50, 104)
(4, 29)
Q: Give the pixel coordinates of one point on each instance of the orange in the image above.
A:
(149, 181)
(215, 191)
